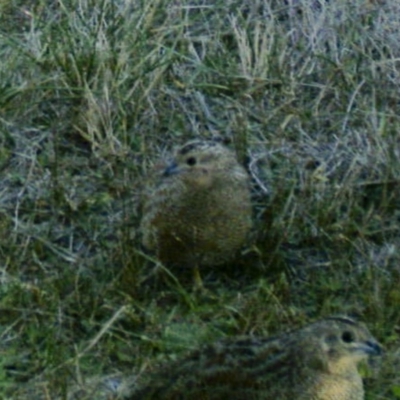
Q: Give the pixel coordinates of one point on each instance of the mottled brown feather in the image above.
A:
(317, 362)
(197, 210)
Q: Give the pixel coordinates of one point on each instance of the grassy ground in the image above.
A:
(94, 93)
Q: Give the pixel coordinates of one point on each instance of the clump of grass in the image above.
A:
(92, 94)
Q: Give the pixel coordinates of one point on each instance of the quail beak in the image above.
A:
(373, 348)
(172, 169)
(370, 348)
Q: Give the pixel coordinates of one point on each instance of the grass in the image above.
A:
(93, 94)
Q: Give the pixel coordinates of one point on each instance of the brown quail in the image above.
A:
(317, 362)
(197, 211)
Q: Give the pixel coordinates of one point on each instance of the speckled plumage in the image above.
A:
(198, 210)
(317, 362)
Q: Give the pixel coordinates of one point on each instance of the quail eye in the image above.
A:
(191, 161)
(347, 337)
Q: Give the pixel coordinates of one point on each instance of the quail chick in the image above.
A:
(198, 210)
(317, 362)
